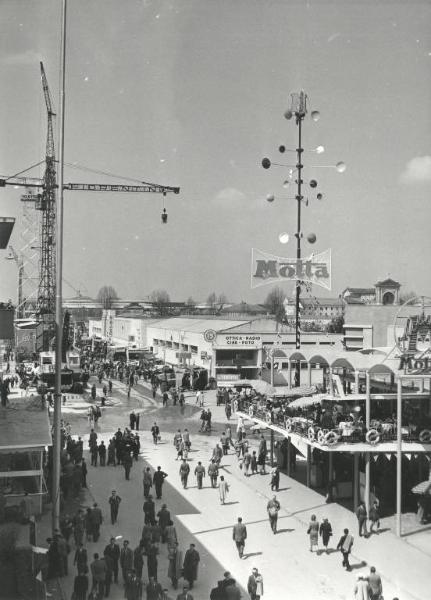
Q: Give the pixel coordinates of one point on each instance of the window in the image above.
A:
(193, 349)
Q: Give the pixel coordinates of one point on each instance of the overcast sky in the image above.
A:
(192, 93)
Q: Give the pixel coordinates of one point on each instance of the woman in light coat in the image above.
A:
(223, 489)
(313, 532)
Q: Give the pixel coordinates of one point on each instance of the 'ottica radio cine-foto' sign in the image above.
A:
(267, 268)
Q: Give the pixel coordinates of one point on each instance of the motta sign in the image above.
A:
(235, 340)
(415, 365)
(267, 268)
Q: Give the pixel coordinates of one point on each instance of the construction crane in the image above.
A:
(45, 201)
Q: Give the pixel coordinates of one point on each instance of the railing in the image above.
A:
(342, 433)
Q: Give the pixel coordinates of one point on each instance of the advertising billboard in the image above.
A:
(6, 323)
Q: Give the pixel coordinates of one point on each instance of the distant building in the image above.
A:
(316, 309)
(369, 314)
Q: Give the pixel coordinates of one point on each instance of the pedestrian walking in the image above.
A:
(133, 588)
(127, 464)
(154, 589)
(375, 583)
(81, 559)
(246, 462)
(223, 489)
(98, 573)
(79, 527)
(345, 546)
(325, 531)
(155, 432)
(158, 480)
(152, 562)
(361, 514)
(361, 590)
(138, 558)
(190, 565)
(147, 481)
(200, 474)
(164, 517)
(126, 560)
(114, 504)
(374, 516)
(273, 508)
(80, 586)
(239, 535)
(275, 478)
(313, 532)
(112, 550)
(96, 519)
(213, 473)
(184, 473)
(185, 594)
(149, 509)
(171, 534)
(255, 585)
(175, 557)
(261, 454)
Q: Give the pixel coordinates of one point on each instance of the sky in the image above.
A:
(192, 93)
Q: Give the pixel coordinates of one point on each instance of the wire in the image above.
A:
(107, 174)
(25, 170)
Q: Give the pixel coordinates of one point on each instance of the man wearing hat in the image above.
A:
(255, 585)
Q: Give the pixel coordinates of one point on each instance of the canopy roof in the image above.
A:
(21, 429)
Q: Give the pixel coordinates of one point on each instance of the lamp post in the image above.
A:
(298, 109)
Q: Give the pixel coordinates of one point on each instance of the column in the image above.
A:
(367, 400)
(308, 466)
(272, 370)
(367, 454)
(289, 373)
(355, 480)
(309, 373)
(331, 386)
(421, 385)
(272, 448)
(356, 382)
(330, 473)
(399, 453)
(289, 456)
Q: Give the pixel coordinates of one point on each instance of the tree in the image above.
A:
(222, 299)
(336, 325)
(407, 295)
(190, 302)
(212, 299)
(161, 300)
(274, 302)
(106, 296)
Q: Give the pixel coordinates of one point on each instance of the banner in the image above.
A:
(267, 268)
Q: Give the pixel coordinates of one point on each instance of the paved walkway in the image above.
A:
(288, 568)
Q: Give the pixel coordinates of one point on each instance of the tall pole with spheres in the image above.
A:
(298, 109)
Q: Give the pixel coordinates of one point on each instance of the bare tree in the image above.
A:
(222, 299)
(274, 303)
(212, 299)
(161, 300)
(106, 296)
(407, 295)
(190, 302)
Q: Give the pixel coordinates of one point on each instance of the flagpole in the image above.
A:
(58, 289)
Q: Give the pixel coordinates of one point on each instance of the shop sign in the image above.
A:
(183, 355)
(204, 355)
(237, 340)
(415, 365)
(210, 335)
(267, 268)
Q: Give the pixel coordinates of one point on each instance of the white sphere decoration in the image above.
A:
(320, 149)
(341, 167)
(283, 238)
(270, 198)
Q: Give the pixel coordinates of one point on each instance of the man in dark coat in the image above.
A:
(96, 521)
(154, 590)
(80, 586)
(261, 454)
(326, 532)
(114, 503)
(112, 550)
(190, 565)
(126, 559)
(149, 511)
(84, 472)
(127, 463)
(184, 473)
(158, 479)
(239, 535)
(138, 558)
(152, 562)
(164, 519)
(102, 453)
(81, 559)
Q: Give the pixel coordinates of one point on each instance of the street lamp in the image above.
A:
(298, 109)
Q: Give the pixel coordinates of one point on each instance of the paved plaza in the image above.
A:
(288, 568)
